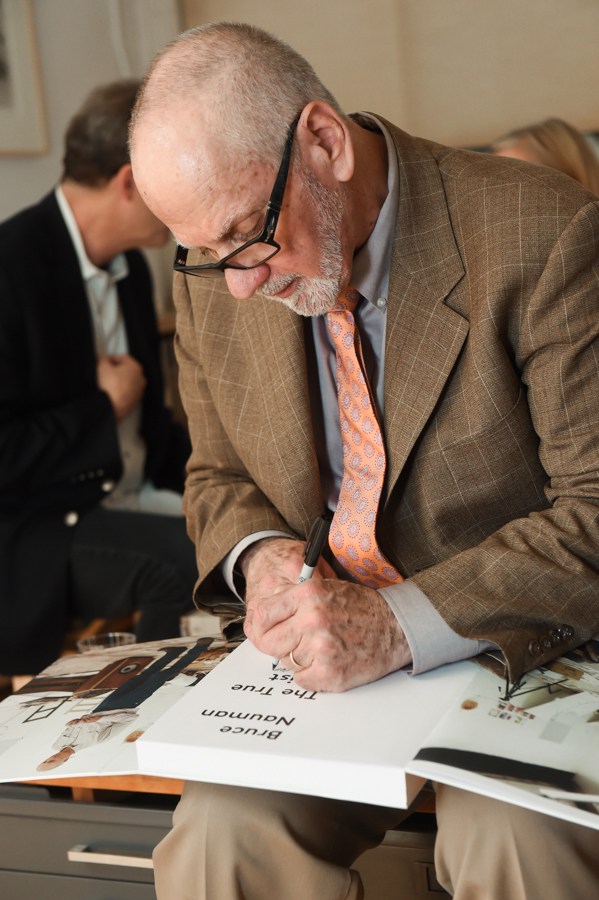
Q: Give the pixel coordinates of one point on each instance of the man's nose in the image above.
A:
(243, 283)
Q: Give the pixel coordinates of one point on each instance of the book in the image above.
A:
(208, 710)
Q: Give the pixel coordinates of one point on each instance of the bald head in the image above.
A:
(242, 84)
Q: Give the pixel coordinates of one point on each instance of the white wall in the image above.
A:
(461, 72)
(353, 45)
(77, 53)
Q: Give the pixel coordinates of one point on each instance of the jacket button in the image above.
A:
(108, 486)
(71, 518)
(534, 648)
(566, 631)
(555, 637)
(546, 643)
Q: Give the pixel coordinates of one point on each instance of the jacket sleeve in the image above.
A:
(532, 587)
(222, 502)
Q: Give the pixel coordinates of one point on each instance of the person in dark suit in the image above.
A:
(91, 463)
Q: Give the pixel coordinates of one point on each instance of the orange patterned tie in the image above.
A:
(352, 536)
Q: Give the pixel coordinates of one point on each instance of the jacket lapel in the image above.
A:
(65, 297)
(424, 335)
(283, 382)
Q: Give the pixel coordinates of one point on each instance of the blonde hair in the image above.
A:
(558, 145)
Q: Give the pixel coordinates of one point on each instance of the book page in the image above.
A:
(84, 714)
(537, 748)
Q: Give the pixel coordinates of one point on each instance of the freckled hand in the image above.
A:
(312, 550)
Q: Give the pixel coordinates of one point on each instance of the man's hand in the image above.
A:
(273, 563)
(341, 634)
(122, 377)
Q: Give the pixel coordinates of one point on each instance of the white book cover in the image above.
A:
(537, 748)
(249, 725)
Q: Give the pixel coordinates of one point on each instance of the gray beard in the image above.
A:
(316, 296)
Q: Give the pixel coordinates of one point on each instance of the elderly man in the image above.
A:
(91, 464)
(405, 335)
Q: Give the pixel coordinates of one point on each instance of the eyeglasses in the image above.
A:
(261, 248)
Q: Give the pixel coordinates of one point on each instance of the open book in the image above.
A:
(197, 711)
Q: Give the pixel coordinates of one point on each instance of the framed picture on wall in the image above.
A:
(22, 120)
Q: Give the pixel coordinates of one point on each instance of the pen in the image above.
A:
(312, 550)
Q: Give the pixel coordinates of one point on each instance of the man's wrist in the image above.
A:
(245, 557)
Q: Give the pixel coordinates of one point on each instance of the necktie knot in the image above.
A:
(340, 319)
(348, 300)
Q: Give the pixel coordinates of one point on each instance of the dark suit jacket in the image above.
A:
(58, 437)
(491, 407)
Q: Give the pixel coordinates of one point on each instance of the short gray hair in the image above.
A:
(252, 83)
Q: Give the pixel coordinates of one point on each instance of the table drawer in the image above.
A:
(38, 835)
(35, 886)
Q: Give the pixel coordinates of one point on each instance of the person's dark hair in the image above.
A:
(96, 139)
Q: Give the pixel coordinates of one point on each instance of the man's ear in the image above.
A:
(325, 142)
(124, 183)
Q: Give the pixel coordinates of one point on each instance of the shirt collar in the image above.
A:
(117, 268)
(370, 272)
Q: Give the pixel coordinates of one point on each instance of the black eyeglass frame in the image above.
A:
(267, 234)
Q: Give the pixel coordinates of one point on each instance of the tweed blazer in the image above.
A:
(491, 403)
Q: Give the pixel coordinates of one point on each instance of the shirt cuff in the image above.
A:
(430, 639)
(230, 560)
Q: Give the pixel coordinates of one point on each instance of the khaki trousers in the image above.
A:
(232, 843)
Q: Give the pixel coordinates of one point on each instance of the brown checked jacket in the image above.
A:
(491, 407)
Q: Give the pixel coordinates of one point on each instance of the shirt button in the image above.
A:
(534, 648)
(566, 631)
(547, 645)
(71, 519)
(555, 638)
(381, 302)
(108, 486)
